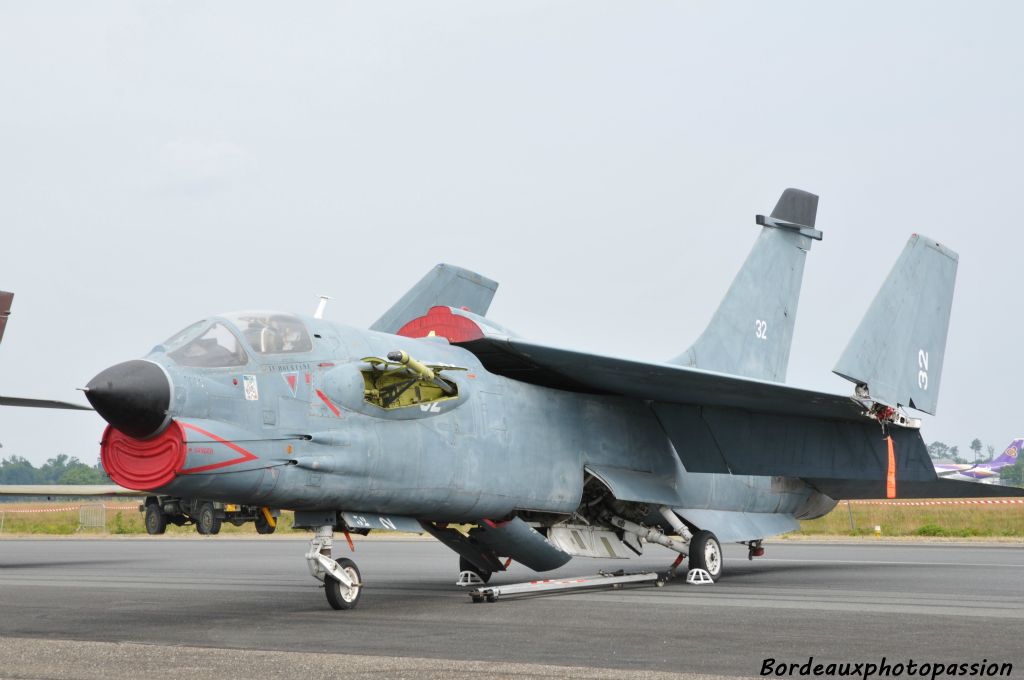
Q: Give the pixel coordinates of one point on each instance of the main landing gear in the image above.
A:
(706, 554)
(342, 582)
(702, 548)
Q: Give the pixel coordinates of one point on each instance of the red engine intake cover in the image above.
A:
(143, 464)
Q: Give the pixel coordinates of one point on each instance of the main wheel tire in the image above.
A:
(339, 596)
(706, 553)
(156, 520)
(466, 565)
(263, 526)
(207, 523)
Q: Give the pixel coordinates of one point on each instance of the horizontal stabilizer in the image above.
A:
(896, 354)
(956, 471)
(719, 440)
(444, 285)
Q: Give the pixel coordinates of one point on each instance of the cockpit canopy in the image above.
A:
(272, 332)
(206, 345)
(213, 344)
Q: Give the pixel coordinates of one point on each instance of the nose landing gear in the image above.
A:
(342, 582)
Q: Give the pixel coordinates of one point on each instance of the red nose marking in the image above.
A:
(143, 464)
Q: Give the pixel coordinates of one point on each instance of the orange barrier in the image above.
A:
(961, 501)
(65, 509)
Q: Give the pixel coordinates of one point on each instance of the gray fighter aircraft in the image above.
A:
(438, 416)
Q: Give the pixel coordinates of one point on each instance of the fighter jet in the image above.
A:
(439, 419)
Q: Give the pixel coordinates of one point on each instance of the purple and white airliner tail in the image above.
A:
(983, 472)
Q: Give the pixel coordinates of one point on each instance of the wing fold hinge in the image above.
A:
(801, 229)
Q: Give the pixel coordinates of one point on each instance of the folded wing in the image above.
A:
(721, 423)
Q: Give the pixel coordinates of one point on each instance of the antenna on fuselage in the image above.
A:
(319, 313)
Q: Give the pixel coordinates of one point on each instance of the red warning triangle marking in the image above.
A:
(293, 381)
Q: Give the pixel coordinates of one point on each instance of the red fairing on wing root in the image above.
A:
(440, 321)
(143, 464)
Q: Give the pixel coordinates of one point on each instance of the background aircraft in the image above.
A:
(987, 473)
(6, 301)
(438, 415)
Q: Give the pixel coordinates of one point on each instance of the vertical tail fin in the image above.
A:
(895, 356)
(1009, 454)
(752, 330)
(444, 285)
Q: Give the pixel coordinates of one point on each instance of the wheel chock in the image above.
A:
(699, 577)
(469, 578)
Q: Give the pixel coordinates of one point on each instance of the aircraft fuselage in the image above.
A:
(295, 430)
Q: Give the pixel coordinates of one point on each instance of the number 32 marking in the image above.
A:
(761, 329)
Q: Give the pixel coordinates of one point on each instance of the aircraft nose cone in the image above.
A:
(133, 397)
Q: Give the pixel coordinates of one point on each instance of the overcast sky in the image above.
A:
(160, 162)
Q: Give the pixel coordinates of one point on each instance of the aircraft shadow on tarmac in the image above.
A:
(55, 564)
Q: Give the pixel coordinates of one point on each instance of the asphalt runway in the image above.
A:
(835, 602)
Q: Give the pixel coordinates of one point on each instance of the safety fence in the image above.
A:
(90, 515)
(958, 501)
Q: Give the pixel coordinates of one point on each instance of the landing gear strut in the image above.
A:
(342, 582)
(702, 548)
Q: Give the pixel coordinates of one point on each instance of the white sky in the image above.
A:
(163, 161)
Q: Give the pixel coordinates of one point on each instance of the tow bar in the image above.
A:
(602, 579)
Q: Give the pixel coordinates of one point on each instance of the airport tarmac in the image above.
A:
(162, 607)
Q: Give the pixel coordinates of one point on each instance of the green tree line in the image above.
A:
(942, 451)
(1012, 475)
(58, 470)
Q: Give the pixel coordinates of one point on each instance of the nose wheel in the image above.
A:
(342, 583)
(339, 595)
